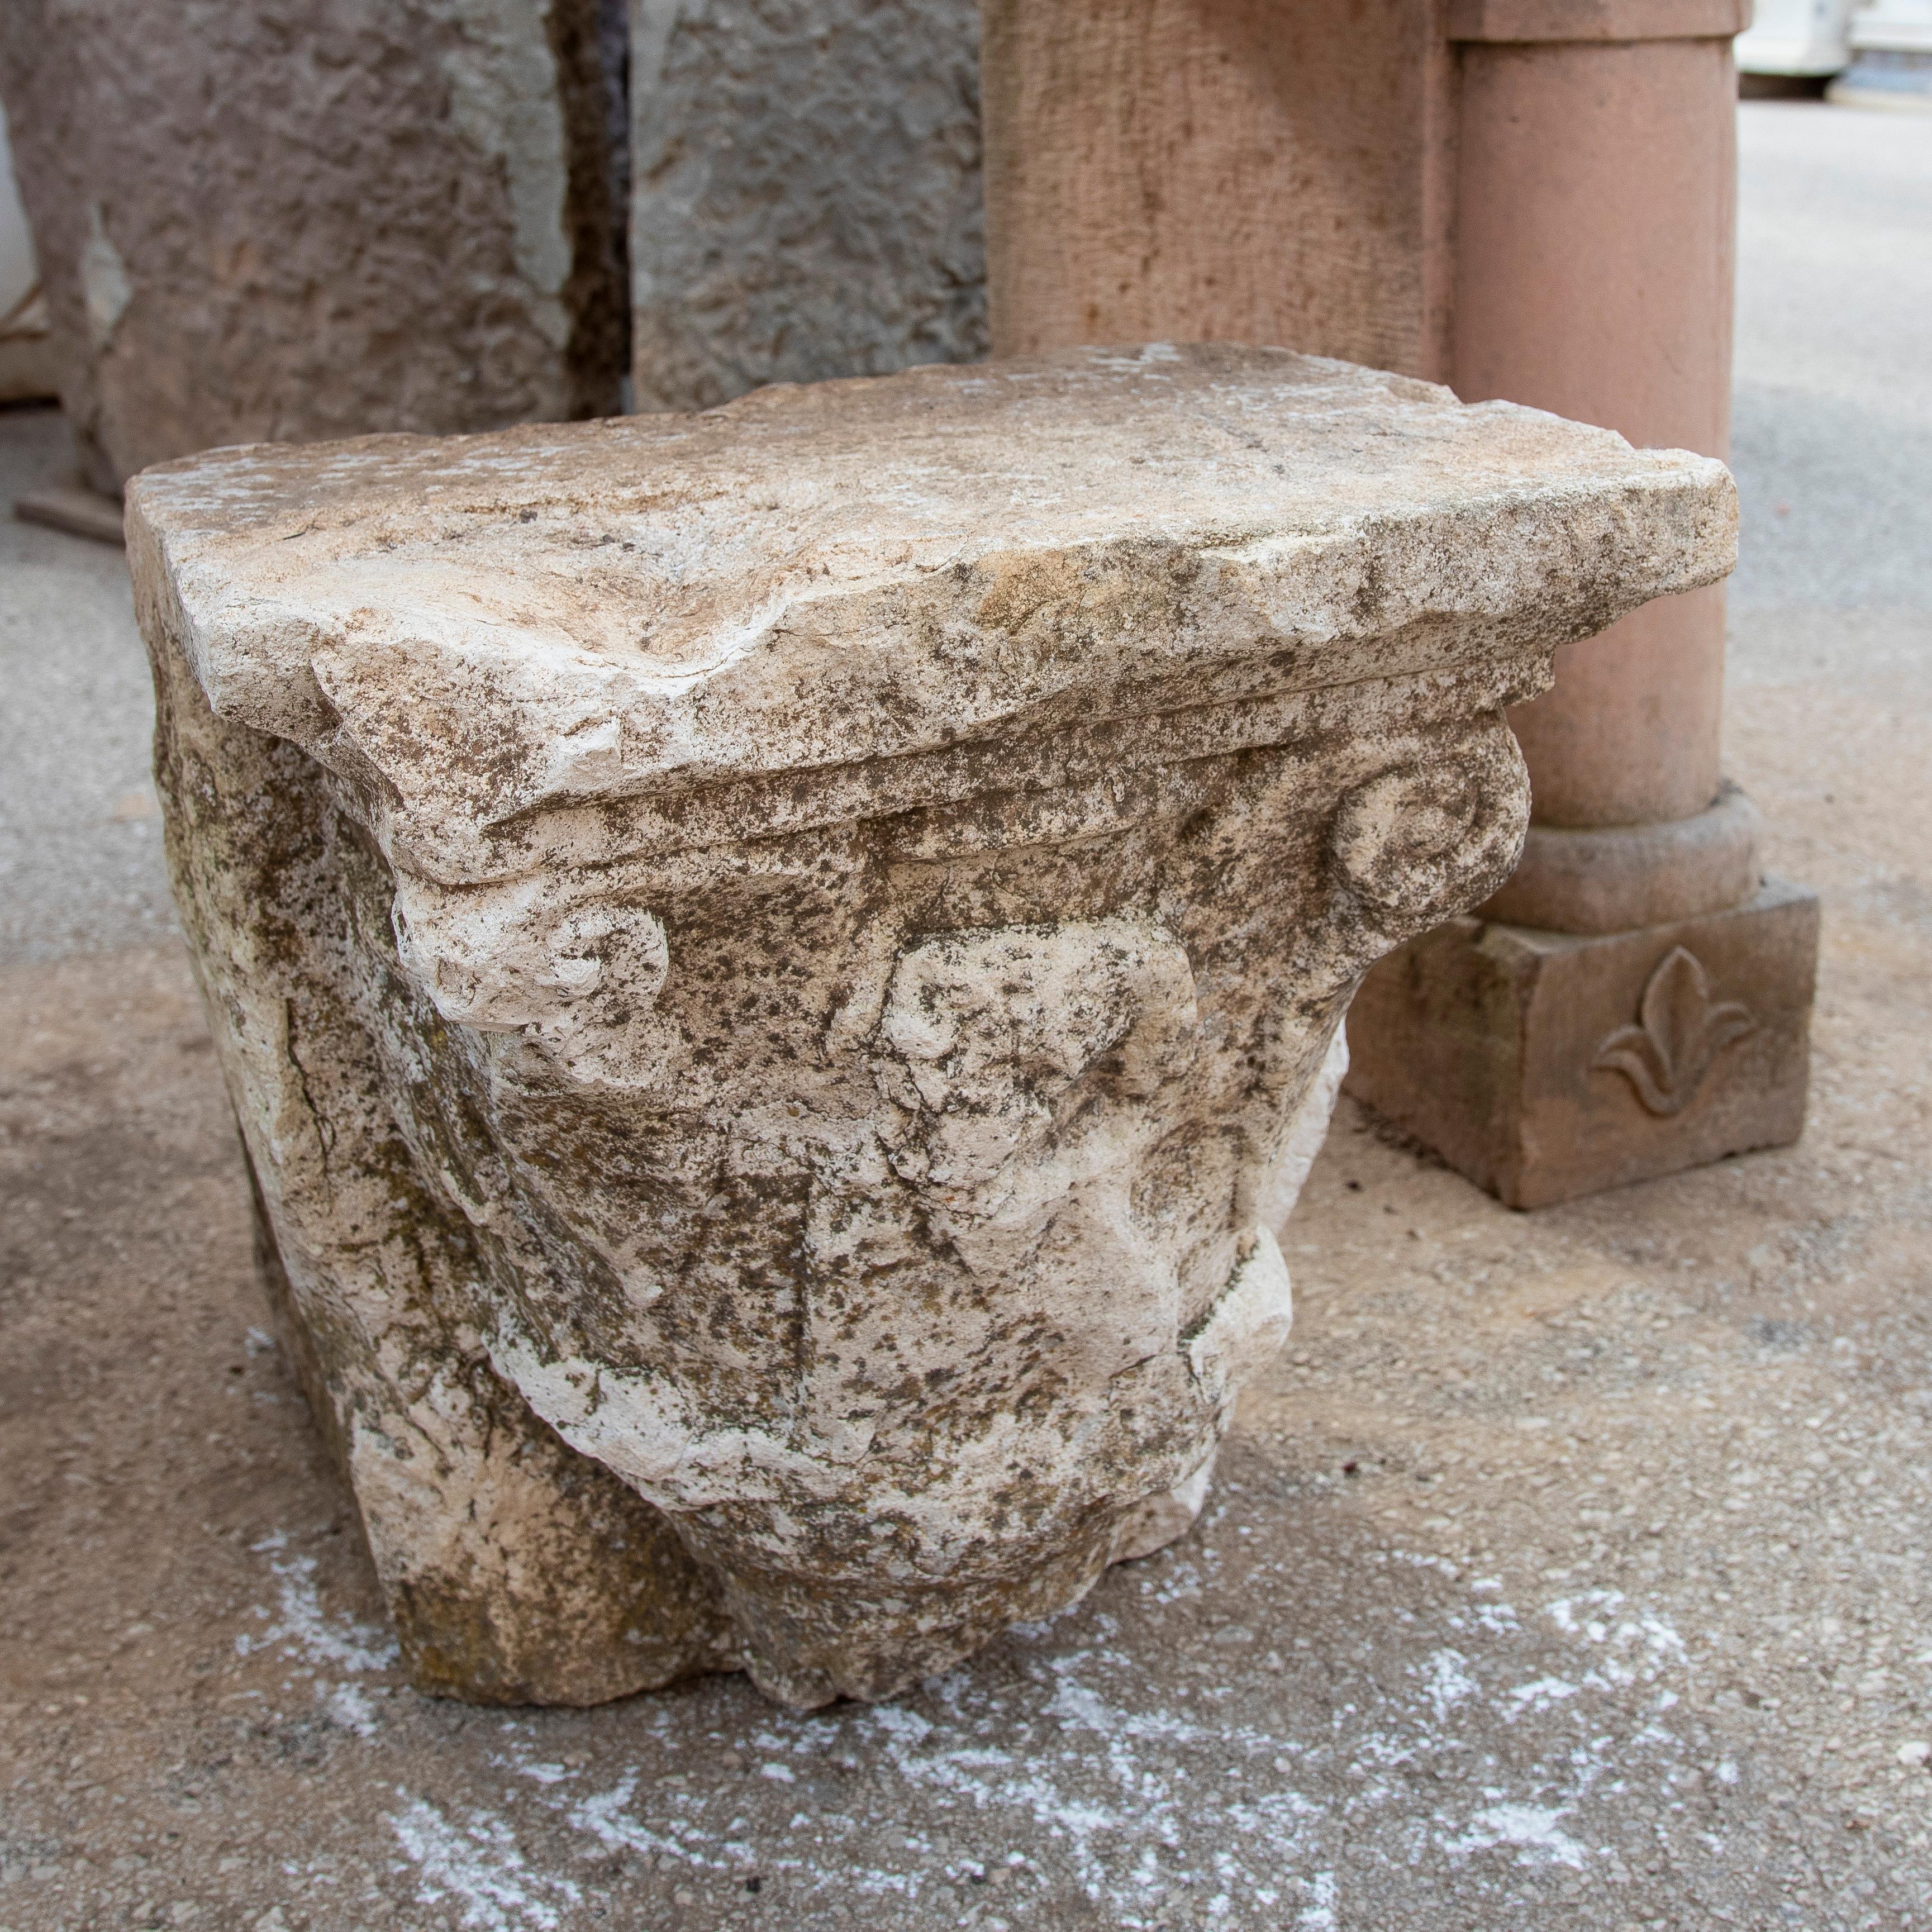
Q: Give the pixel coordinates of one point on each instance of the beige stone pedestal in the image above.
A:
(779, 969)
(1526, 199)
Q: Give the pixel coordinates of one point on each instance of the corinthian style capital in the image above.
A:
(780, 969)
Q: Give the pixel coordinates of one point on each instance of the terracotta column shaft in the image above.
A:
(1636, 999)
(1605, 295)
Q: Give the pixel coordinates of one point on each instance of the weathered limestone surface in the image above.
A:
(319, 218)
(779, 969)
(805, 194)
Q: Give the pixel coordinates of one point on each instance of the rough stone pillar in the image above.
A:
(779, 969)
(805, 199)
(1654, 1012)
(318, 218)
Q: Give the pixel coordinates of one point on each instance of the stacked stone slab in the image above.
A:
(780, 969)
(321, 218)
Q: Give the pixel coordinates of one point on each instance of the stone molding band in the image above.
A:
(1531, 21)
(1613, 878)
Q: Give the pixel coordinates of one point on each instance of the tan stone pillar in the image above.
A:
(1243, 169)
(1530, 200)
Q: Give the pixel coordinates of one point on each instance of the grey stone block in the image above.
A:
(805, 198)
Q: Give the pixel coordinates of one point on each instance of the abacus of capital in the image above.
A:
(779, 969)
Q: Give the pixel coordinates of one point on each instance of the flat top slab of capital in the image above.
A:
(477, 631)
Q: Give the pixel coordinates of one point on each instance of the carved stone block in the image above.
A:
(1546, 1065)
(779, 969)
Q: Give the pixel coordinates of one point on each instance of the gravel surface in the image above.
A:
(1569, 1572)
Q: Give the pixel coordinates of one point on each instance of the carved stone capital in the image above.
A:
(804, 946)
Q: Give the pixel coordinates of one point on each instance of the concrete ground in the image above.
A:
(1571, 1572)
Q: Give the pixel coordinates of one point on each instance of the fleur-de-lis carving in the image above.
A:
(1682, 1031)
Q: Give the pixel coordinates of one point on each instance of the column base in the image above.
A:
(1615, 878)
(1548, 1065)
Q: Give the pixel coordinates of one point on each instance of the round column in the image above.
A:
(1596, 201)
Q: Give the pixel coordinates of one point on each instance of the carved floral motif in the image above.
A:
(1682, 1032)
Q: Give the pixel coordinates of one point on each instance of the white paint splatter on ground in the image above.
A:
(478, 1866)
(1538, 1695)
(1318, 1915)
(1449, 1682)
(1534, 1827)
(347, 1706)
(316, 1642)
(304, 1628)
(1138, 1804)
(679, 1837)
(1050, 1768)
(1630, 1648)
